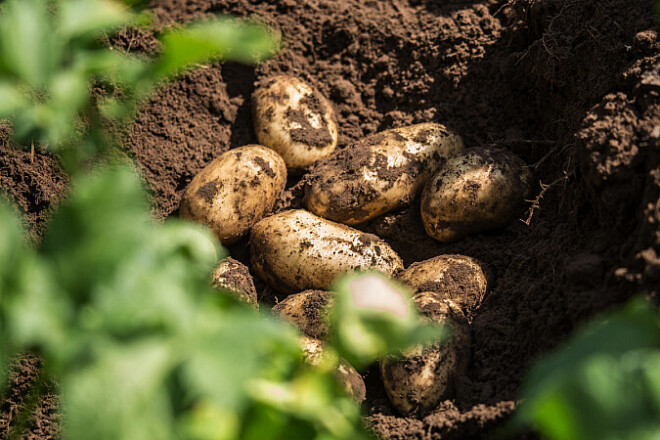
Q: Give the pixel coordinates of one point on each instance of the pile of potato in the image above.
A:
(300, 252)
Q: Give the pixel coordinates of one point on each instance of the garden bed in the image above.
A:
(571, 86)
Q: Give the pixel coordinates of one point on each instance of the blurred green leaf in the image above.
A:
(120, 395)
(223, 39)
(312, 398)
(12, 247)
(11, 99)
(228, 389)
(604, 385)
(373, 316)
(136, 3)
(208, 421)
(40, 313)
(29, 49)
(12, 254)
(100, 225)
(91, 18)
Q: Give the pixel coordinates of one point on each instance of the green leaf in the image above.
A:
(604, 385)
(101, 225)
(38, 313)
(91, 18)
(373, 317)
(68, 97)
(208, 421)
(246, 354)
(120, 395)
(313, 399)
(223, 39)
(11, 99)
(29, 48)
(12, 246)
(136, 3)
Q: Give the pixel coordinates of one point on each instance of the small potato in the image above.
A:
(307, 310)
(296, 250)
(235, 191)
(381, 173)
(294, 119)
(478, 191)
(419, 381)
(455, 277)
(347, 376)
(233, 276)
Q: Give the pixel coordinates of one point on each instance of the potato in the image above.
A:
(296, 250)
(383, 172)
(454, 277)
(235, 191)
(478, 191)
(307, 310)
(294, 119)
(424, 377)
(347, 376)
(233, 276)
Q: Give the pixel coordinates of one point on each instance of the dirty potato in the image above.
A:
(348, 377)
(383, 172)
(478, 191)
(233, 276)
(455, 277)
(295, 119)
(235, 191)
(296, 250)
(307, 310)
(423, 377)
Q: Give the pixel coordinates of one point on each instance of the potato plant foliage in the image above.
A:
(119, 307)
(605, 384)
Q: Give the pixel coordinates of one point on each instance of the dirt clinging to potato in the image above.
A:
(572, 87)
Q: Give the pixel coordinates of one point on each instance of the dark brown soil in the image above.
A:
(571, 86)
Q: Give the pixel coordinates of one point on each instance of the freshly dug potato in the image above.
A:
(347, 376)
(478, 191)
(307, 310)
(382, 172)
(234, 276)
(424, 377)
(455, 277)
(296, 250)
(296, 120)
(235, 191)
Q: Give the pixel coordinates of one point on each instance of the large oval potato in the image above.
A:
(424, 377)
(307, 310)
(296, 250)
(235, 191)
(295, 119)
(233, 276)
(478, 191)
(348, 377)
(456, 277)
(382, 172)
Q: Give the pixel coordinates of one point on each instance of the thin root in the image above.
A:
(536, 202)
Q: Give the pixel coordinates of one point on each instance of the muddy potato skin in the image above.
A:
(235, 191)
(347, 376)
(295, 119)
(234, 276)
(455, 277)
(417, 383)
(381, 173)
(296, 250)
(478, 191)
(307, 310)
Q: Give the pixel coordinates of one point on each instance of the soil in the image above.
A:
(571, 86)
